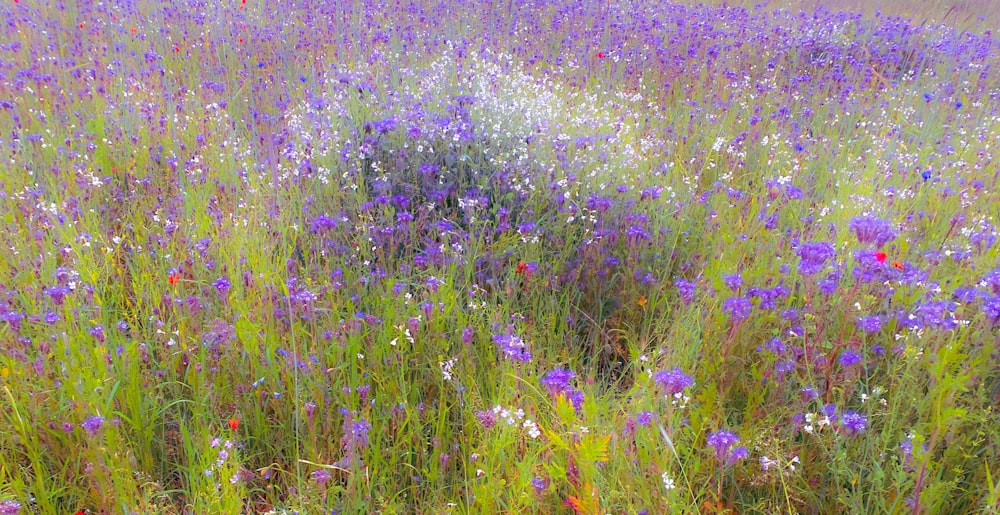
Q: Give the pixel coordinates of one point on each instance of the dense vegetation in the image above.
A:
(481, 257)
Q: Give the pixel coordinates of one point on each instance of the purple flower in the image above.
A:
(57, 294)
(97, 332)
(870, 324)
(321, 476)
(557, 380)
(853, 423)
(10, 507)
(685, 289)
(737, 454)
(872, 230)
(849, 358)
(774, 346)
(828, 286)
(644, 418)
(222, 285)
(991, 308)
(92, 425)
(932, 314)
(813, 256)
(733, 281)
(539, 484)
(966, 294)
(487, 418)
(513, 347)
(769, 296)
(724, 442)
(576, 397)
(358, 433)
(738, 308)
(673, 381)
(992, 281)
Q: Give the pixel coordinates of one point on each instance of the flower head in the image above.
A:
(870, 324)
(872, 230)
(853, 423)
(222, 285)
(849, 358)
(813, 256)
(673, 381)
(321, 476)
(726, 451)
(513, 347)
(557, 380)
(685, 289)
(10, 507)
(738, 308)
(92, 425)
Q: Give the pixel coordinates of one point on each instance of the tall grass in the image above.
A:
(473, 257)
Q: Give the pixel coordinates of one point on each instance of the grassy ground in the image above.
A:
(466, 257)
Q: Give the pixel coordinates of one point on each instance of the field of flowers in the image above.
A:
(539, 256)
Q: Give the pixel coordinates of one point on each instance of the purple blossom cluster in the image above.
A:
(724, 443)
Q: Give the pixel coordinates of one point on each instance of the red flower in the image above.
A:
(522, 267)
(133, 30)
(174, 278)
(234, 423)
(898, 265)
(600, 55)
(880, 256)
(177, 48)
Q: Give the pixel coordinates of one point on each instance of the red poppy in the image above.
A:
(898, 265)
(522, 267)
(234, 423)
(880, 256)
(81, 25)
(600, 55)
(174, 278)
(177, 48)
(133, 30)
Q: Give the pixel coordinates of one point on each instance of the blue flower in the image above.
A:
(853, 423)
(673, 381)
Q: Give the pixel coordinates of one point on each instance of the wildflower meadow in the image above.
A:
(534, 256)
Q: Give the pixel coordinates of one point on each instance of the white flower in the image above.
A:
(532, 428)
(668, 483)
